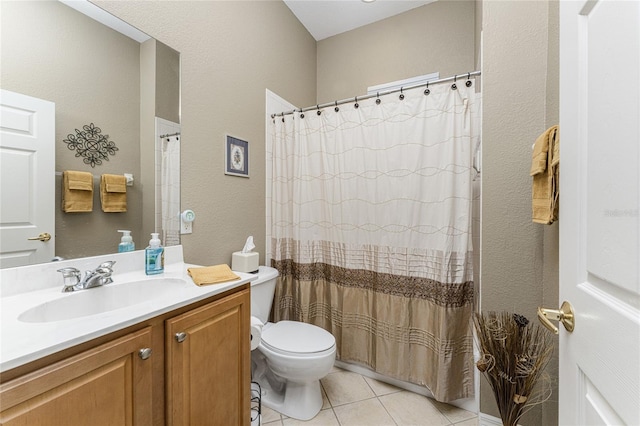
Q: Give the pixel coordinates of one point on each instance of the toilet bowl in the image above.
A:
(291, 358)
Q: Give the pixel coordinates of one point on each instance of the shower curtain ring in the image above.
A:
(427, 91)
(318, 108)
(468, 82)
(454, 86)
(378, 98)
(356, 104)
(336, 109)
(301, 113)
(401, 94)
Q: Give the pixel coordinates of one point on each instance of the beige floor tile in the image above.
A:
(269, 415)
(325, 401)
(324, 418)
(454, 414)
(408, 408)
(381, 388)
(369, 412)
(345, 387)
(470, 422)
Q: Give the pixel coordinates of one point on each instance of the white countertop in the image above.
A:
(23, 342)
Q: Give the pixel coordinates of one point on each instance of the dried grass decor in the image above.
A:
(513, 356)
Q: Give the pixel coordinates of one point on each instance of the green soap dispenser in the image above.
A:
(154, 256)
(126, 242)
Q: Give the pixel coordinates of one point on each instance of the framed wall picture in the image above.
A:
(236, 157)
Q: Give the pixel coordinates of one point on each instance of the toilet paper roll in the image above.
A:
(256, 332)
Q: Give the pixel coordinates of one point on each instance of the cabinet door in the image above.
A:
(107, 385)
(208, 364)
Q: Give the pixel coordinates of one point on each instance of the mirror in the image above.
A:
(96, 76)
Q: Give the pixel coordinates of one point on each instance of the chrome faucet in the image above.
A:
(99, 276)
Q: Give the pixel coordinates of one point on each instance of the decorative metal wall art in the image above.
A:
(91, 144)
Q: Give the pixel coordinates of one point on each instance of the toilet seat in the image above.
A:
(297, 338)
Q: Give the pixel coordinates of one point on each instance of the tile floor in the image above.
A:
(354, 400)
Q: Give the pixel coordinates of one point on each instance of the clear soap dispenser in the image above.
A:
(154, 256)
(126, 242)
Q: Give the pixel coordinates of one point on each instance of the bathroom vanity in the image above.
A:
(181, 357)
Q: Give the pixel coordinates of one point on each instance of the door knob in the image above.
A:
(565, 315)
(45, 236)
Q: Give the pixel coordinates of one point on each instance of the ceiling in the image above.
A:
(326, 18)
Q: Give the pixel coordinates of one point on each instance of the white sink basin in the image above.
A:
(102, 299)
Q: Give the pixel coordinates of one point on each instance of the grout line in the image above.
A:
(385, 409)
(332, 407)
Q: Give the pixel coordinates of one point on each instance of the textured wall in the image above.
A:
(167, 83)
(550, 238)
(52, 52)
(435, 37)
(230, 51)
(519, 99)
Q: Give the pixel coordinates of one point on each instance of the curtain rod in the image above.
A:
(373, 95)
(169, 135)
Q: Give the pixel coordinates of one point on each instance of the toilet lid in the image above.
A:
(297, 337)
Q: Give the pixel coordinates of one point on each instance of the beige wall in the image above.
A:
(52, 52)
(550, 237)
(230, 52)
(520, 92)
(167, 83)
(435, 37)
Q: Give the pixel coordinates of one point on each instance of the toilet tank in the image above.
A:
(262, 290)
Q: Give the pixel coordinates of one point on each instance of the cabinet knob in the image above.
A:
(145, 353)
(181, 336)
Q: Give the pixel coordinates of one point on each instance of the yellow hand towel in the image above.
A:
(545, 167)
(113, 193)
(212, 274)
(77, 191)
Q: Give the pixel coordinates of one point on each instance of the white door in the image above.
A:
(27, 178)
(600, 211)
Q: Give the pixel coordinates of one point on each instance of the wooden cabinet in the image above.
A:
(208, 364)
(107, 385)
(202, 380)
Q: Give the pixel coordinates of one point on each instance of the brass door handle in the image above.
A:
(565, 315)
(45, 236)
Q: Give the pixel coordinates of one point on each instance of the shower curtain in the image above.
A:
(170, 190)
(371, 231)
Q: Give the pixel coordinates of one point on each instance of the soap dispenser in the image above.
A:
(154, 256)
(126, 242)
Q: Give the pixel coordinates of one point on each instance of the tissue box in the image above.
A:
(245, 262)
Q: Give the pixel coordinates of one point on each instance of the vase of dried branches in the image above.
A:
(513, 356)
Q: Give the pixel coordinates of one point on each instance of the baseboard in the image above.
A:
(487, 420)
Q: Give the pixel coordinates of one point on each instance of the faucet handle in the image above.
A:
(70, 277)
(108, 264)
(69, 272)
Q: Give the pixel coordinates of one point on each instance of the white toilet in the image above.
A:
(291, 358)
